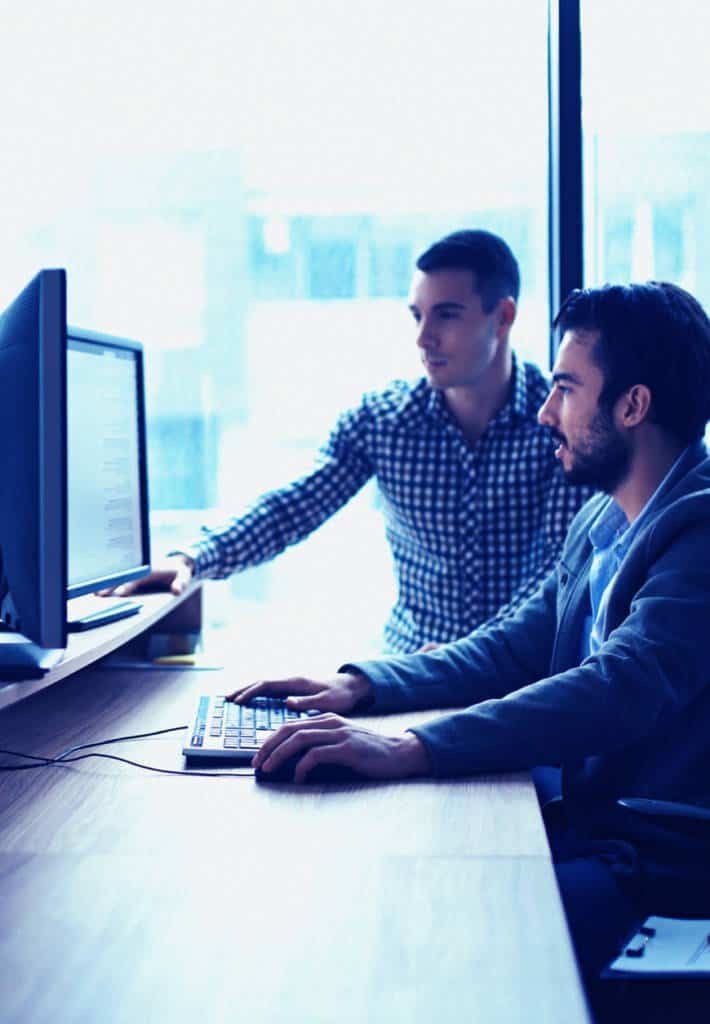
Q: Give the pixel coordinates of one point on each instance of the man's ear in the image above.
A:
(506, 311)
(634, 406)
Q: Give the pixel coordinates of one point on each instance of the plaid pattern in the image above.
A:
(473, 531)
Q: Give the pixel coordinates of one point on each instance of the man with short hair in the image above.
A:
(604, 671)
(475, 506)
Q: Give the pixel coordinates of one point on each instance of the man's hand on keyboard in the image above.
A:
(332, 740)
(340, 693)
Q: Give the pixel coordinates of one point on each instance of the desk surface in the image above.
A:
(128, 895)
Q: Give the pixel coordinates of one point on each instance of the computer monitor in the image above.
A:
(108, 530)
(73, 475)
(33, 532)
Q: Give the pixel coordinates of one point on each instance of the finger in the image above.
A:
(291, 729)
(291, 738)
(246, 693)
(330, 753)
(183, 578)
(180, 583)
(261, 688)
(294, 685)
(321, 701)
(290, 742)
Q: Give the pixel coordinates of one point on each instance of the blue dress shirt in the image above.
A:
(611, 537)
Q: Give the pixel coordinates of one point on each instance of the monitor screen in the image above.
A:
(33, 477)
(107, 479)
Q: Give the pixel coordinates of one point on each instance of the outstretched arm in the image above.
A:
(288, 514)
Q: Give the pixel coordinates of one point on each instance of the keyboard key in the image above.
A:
(221, 728)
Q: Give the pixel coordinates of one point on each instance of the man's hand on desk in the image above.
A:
(173, 572)
(328, 738)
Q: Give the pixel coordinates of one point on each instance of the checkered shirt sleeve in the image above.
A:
(287, 515)
(473, 530)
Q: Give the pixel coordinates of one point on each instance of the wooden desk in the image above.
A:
(130, 896)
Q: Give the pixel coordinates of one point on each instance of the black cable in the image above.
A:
(65, 758)
(118, 739)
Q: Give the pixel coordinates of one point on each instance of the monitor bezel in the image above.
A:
(52, 455)
(34, 625)
(110, 580)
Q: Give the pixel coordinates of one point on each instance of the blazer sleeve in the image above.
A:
(645, 679)
(488, 663)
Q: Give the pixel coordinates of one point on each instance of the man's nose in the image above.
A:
(546, 415)
(425, 335)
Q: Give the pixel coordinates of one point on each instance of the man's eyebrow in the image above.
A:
(439, 306)
(571, 377)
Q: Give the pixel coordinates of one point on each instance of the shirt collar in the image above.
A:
(515, 406)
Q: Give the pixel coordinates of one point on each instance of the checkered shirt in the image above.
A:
(473, 530)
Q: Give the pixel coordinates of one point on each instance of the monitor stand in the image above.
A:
(90, 610)
(21, 659)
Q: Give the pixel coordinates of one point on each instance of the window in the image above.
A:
(646, 142)
(244, 188)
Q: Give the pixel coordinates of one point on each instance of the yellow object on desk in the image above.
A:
(176, 659)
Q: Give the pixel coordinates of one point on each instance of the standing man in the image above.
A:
(475, 506)
(605, 670)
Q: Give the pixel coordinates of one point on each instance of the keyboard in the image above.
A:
(220, 730)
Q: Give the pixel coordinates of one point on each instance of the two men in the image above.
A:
(475, 506)
(604, 670)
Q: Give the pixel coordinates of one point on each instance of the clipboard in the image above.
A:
(664, 947)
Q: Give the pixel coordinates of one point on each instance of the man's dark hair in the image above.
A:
(495, 269)
(655, 334)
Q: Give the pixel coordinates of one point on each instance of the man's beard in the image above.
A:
(603, 459)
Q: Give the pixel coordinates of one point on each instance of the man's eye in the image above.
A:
(562, 389)
(448, 315)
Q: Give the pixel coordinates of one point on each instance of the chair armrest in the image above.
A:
(689, 819)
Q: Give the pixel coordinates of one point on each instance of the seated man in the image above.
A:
(604, 670)
(476, 508)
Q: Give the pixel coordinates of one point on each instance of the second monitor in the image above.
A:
(107, 515)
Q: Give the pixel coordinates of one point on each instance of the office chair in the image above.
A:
(658, 1000)
(686, 819)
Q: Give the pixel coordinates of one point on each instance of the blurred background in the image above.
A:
(245, 188)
